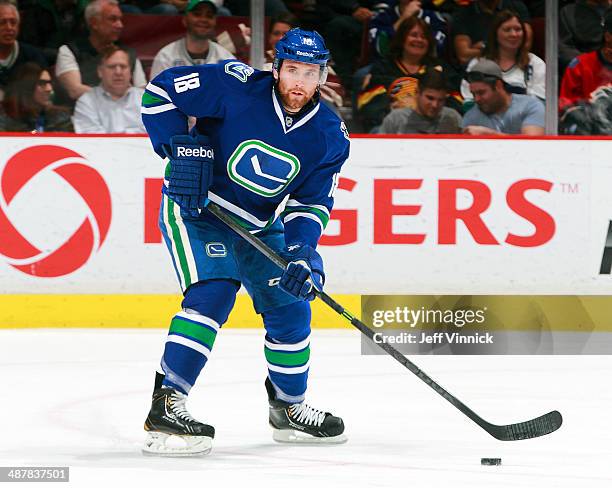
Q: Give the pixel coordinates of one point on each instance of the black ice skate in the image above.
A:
(302, 424)
(172, 431)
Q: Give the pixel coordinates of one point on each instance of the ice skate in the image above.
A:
(299, 423)
(171, 430)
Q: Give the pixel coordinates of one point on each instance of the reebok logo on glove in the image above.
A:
(194, 152)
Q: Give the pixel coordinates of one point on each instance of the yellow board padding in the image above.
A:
(140, 311)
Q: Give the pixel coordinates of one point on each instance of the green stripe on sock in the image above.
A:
(195, 331)
(178, 242)
(287, 358)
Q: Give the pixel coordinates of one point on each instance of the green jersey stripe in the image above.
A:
(149, 100)
(322, 216)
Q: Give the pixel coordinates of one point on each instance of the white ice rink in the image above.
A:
(78, 398)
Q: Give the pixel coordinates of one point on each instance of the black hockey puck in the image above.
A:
(490, 461)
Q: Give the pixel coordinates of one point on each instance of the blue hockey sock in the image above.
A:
(287, 350)
(193, 331)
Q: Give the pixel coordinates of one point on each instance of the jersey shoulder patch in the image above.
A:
(239, 70)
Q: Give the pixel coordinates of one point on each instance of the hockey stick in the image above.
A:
(513, 432)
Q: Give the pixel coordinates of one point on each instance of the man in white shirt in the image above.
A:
(197, 47)
(76, 66)
(114, 105)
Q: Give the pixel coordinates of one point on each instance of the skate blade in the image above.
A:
(290, 436)
(167, 445)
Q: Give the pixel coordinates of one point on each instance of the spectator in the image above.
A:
(588, 71)
(387, 19)
(77, 61)
(589, 118)
(279, 26)
(393, 81)
(47, 24)
(429, 115)
(197, 47)
(344, 33)
(13, 53)
(114, 105)
(471, 25)
(498, 111)
(581, 28)
(523, 72)
(27, 105)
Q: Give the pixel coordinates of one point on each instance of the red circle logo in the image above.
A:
(89, 236)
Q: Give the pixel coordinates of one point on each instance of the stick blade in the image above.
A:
(528, 430)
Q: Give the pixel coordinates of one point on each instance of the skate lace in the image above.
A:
(177, 402)
(306, 414)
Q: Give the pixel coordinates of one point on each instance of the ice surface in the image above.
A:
(78, 398)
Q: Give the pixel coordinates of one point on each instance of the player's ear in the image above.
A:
(275, 74)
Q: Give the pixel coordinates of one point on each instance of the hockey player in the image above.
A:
(265, 150)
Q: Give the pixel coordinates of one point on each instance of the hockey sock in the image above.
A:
(287, 350)
(193, 331)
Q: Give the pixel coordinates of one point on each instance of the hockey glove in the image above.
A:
(191, 171)
(304, 273)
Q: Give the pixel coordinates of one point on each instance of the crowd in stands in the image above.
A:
(398, 66)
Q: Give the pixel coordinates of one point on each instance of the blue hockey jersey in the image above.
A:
(267, 164)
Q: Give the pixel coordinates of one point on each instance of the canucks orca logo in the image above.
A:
(239, 70)
(261, 168)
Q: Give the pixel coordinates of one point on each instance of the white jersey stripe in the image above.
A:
(158, 109)
(295, 203)
(191, 264)
(158, 91)
(236, 210)
(175, 256)
(295, 215)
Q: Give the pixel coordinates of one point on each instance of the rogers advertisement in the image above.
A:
(412, 216)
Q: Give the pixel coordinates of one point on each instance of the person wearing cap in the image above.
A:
(266, 151)
(197, 47)
(497, 111)
(589, 71)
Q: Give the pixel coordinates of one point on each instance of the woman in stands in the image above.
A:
(27, 103)
(393, 80)
(523, 72)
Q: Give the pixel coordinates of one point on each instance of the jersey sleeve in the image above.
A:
(571, 84)
(179, 92)
(307, 211)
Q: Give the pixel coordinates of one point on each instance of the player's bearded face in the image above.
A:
(297, 84)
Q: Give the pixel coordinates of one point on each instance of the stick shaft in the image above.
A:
(269, 253)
